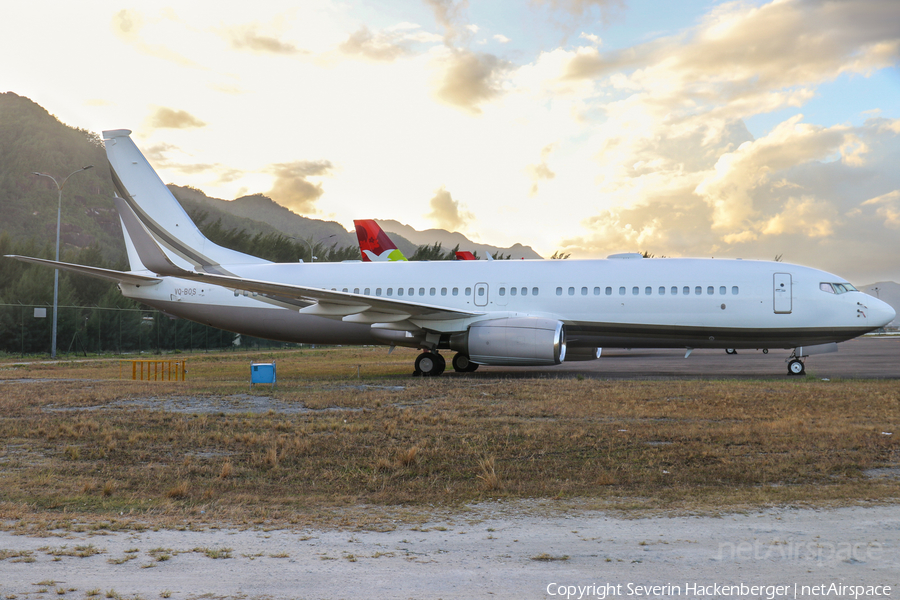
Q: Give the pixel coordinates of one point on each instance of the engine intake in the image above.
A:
(514, 341)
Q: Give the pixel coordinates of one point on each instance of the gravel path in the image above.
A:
(490, 551)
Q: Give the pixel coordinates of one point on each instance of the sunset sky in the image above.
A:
(690, 128)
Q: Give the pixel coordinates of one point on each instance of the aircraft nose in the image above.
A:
(881, 313)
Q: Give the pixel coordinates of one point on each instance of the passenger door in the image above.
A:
(783, 292)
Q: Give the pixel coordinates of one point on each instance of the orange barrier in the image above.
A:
(158, 370)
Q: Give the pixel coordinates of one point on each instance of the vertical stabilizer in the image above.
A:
(151, 201)
(374, 243)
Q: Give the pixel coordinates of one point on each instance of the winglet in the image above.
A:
(151, 255)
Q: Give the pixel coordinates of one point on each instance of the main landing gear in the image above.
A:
(432, 364)
(462, 364)
(429, 364)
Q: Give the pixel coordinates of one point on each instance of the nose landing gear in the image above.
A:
(796, 367)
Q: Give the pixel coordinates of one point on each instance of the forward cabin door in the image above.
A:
(783, 293)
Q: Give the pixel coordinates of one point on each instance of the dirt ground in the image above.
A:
(525, 549)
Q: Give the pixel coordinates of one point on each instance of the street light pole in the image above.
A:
(313, 257)
(59, 189)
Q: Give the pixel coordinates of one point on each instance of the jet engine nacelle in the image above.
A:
(514, 341)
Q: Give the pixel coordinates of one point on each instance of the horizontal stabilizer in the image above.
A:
(97, 272)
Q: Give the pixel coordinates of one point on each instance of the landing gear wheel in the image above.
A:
(430, 364)
(730, 351)
(462, 364)
(796, 367)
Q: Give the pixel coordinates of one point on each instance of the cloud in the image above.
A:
(446, 212)
(790, 192)
(888, 208)
(248, 38)
(169, 118)
(580, 8)
(383, 46)
(292, 187)
(541, 171)
(129, 25)
(805, 42)
(450, 14)
(471, 79)
(570, 15)
(737, 174)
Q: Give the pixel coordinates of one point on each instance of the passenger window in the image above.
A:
(399, 292)
(377, 291)
(674, 290)
(608, 291)
(698, 290)
(721, 290)
(710, 290)
(513, 291)
(432, 292)
(411, 292)
(596, 291)
(571, 291)
(524, 291)
(421, 291)
(468, 291)
(502, 291)
(559, 291)
(584, 291)
(390, 292)
(734, 290)
(648, 290)
(534, 291)
(355, 290)
(662, 290)
(456, 291)
(345, 290)
(480, 291)
(368, 291)
(443, 291)
(686, 291)
(635, 291)
(622, 291)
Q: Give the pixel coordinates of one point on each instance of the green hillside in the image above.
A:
(33, 140)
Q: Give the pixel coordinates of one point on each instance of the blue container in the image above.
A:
(262, 373)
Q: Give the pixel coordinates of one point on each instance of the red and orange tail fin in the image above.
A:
(465, 255)
(374, 243)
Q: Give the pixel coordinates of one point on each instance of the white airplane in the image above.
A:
(513, 313)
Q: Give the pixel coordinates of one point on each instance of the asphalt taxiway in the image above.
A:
(871, 357)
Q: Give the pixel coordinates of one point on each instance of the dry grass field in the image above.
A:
(348, 428)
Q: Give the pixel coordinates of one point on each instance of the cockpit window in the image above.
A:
(837, 288)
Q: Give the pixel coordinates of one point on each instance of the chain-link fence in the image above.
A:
(26, 329)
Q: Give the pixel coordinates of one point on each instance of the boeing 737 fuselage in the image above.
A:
(531, 312)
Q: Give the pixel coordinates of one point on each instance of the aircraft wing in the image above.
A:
(350, 307)
(97, 272)
(330, 303)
